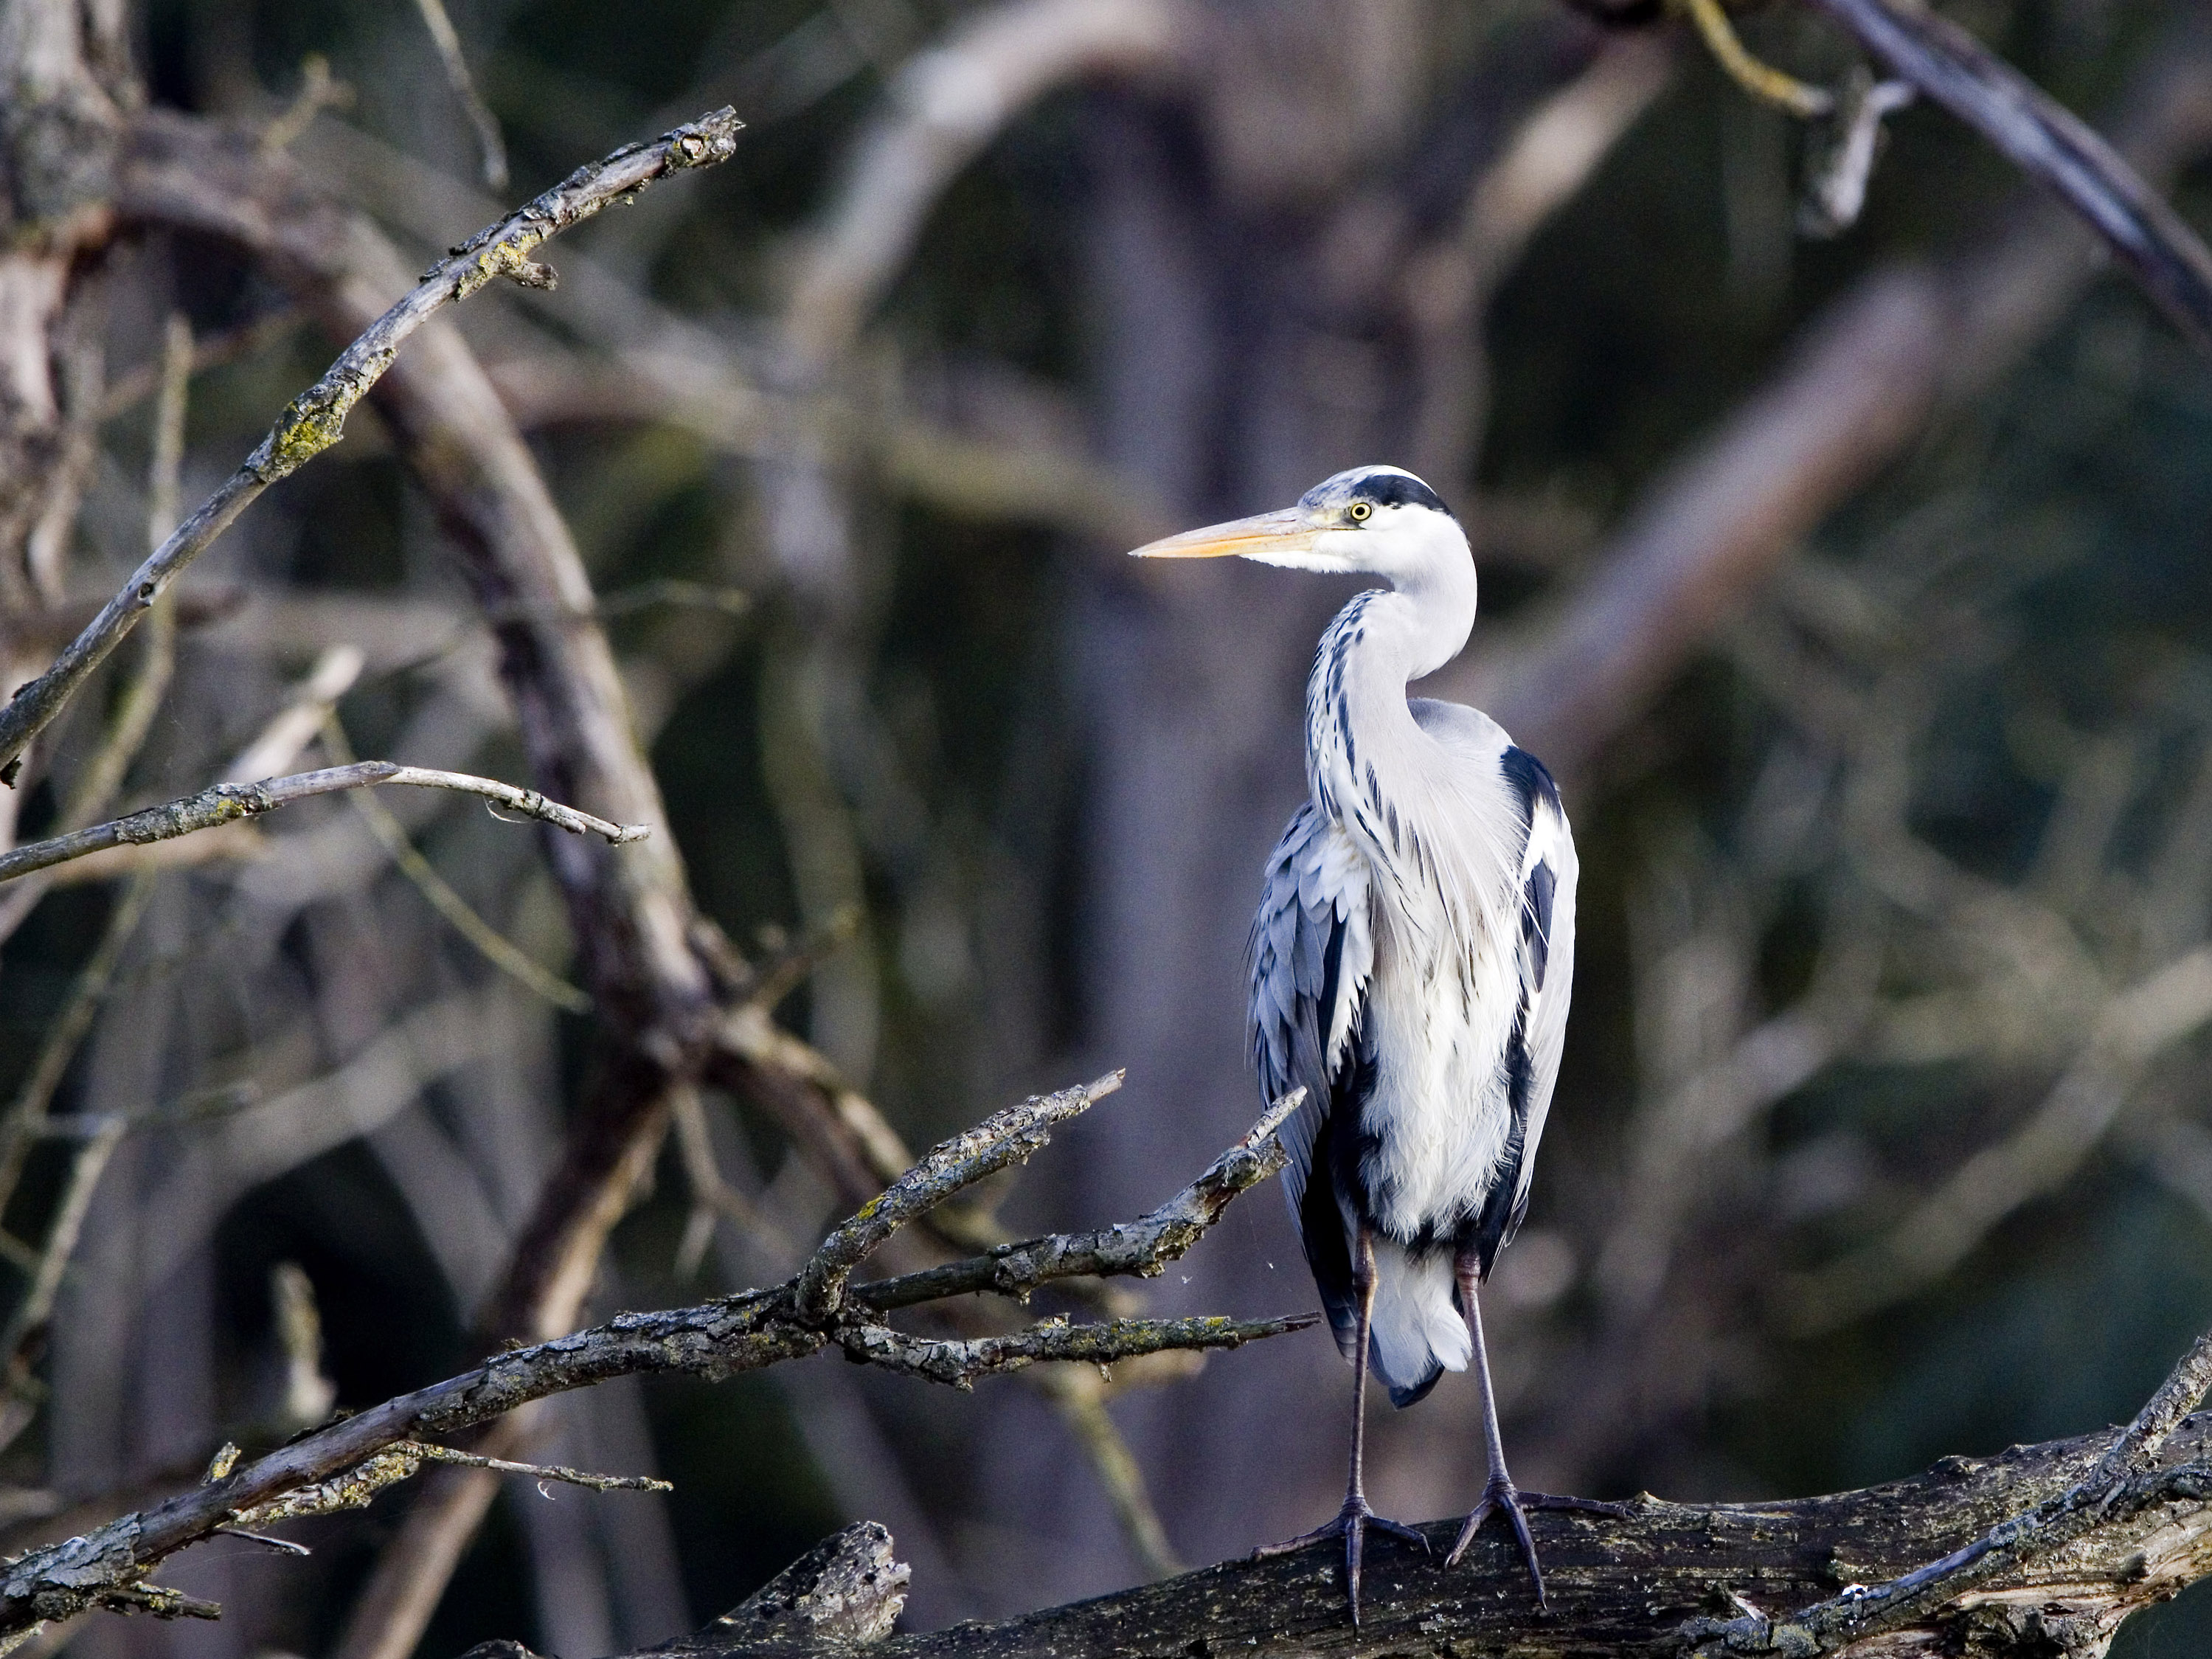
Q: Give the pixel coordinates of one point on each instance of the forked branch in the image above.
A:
(347, 1462)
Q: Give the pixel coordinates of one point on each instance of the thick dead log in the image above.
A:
(1624, 1586)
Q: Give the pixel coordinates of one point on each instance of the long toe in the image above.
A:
(1528, 1544)
(1351, 1524)
(1499, 1497)
(1475, 1517)
(1399, 1529)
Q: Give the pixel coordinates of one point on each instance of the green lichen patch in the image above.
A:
(507, 257)
(315, 420)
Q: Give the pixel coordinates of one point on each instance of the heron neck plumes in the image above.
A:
(1373, 770)
(1377, 644)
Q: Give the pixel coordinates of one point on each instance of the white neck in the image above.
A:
(1356, 693)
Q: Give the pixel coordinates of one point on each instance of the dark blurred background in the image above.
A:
(1882, 1132)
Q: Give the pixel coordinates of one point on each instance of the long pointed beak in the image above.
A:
(1285, 531)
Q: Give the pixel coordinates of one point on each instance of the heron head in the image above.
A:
(1374, 520)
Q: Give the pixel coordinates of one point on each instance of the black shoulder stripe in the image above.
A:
(1491, 1227)
(1398, 489)
(1528, 777)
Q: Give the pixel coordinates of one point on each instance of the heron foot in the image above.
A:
(1351, 1524)
(1500, 1496)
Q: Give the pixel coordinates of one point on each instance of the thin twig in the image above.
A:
(1762, 81)
(228, 802)
(38, 1303)
(444, 36)
(17, 1405)
(1836, 186)
(27, 1115)
(355, 1488)
(315, 419)
(318, 90)
(283, 1545)
(490, 942)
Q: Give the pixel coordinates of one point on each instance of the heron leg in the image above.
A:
(1499, 1494)
(1352, 1520)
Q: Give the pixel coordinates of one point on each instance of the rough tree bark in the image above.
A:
(1619, 1587)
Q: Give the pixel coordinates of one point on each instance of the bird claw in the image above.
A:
(1351, 1523)
(1500, 1495)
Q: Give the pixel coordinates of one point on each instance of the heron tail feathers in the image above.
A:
(1418, 1332)
(1403, 1397)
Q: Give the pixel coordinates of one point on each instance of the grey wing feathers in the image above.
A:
(1312, 954)
(1545, 956)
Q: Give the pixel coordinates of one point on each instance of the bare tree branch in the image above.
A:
(226, 803)
(315, 419)
(108, 1565)
(1007, 1138)
(2049, 143)
(402, 1460)
(629, 913)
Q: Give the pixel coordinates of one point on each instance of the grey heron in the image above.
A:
(1411, 964)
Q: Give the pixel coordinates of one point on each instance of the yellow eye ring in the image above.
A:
(1359, 512)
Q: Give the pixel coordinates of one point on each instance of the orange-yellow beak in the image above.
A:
(1262, 534)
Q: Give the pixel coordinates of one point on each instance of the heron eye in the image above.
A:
(1360, 512)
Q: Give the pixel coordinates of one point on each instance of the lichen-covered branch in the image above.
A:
(226, 803)
(344, 1464)
(357, 1487)
(1005, 1138)
(1142, 1247)
(315, 420)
